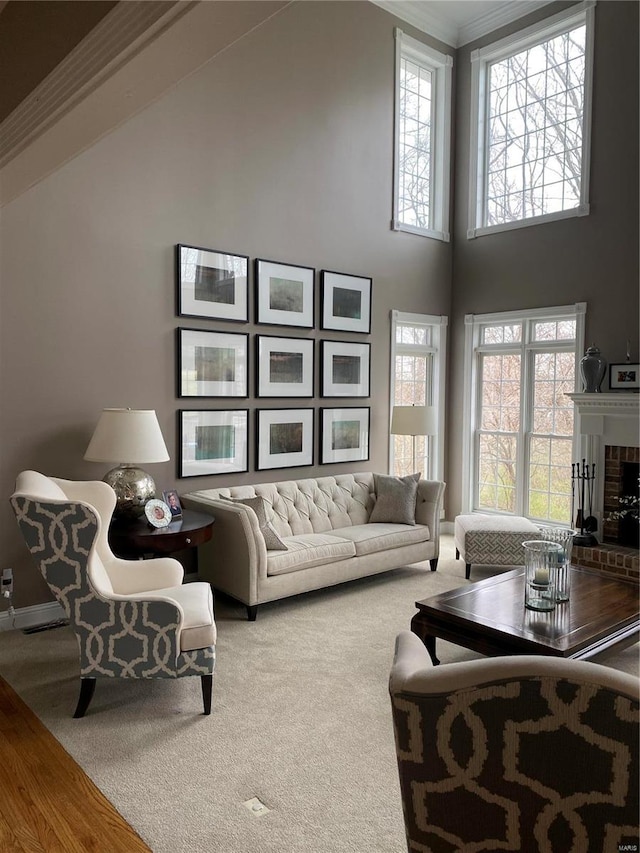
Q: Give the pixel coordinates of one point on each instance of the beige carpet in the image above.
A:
(301, 719)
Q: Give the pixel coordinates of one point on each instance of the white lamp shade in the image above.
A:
(413, 420)
(127, 435)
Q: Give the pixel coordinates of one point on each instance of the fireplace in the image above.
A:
(609, 429)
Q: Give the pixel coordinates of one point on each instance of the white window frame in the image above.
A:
(441, 67)
(436, 388)
(473, 328)
(581, 13)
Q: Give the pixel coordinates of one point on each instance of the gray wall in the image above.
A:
(593, 258)
(280, 148)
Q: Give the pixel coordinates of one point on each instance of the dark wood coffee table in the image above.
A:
(490, 617)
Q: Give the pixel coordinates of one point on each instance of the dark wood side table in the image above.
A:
(133, 540)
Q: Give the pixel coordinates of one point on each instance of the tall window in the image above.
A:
(418, 359)
(422, 138)
(521, 367)
(530, 128)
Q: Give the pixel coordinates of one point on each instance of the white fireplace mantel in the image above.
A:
(605, 419)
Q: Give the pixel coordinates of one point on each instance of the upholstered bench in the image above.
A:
(492, 540)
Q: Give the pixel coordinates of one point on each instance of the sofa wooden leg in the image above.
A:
(87, 688)
(252, 612)
(467, 572)
(434, 564)
(207, 690)
(457, 554)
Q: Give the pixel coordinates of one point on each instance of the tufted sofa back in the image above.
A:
(309, 506)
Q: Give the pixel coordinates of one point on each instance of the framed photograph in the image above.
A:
(212, 364)
(212, 284)
(346, 302)
(624, 377)
(284, 367)
(212, 442)
(344, 435)
(284, 294)
(285, 438)
(345, 369)
(172, 500)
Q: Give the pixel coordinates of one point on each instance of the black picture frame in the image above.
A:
(284, 438)
(211, 283)
(212, 363)
(345, 369)
(212, 441)
(284, 366)
(285, 294)
(344, 434)
(345, 302)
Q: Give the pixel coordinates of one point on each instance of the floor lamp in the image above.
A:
(413, 420)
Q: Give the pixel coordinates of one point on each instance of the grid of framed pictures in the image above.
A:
(213, 285)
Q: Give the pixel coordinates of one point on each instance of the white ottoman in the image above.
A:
(492, 540)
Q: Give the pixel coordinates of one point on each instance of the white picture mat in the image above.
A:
(330, 281)
(268, 417)
(190, 386)
(270, 269)
(266, 345)
(191, 420)
(332, 416)
(190, 259)
(344, 389)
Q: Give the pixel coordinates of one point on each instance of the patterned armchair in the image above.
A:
(133, 619)
(525, 753)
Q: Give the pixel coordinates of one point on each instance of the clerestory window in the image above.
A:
(422, 138)
(530, 124)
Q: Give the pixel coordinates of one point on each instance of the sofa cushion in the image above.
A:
(377, 536)
(271, 538)
(308, 550)
(395, 499)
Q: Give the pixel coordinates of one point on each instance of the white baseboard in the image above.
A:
(27, 617)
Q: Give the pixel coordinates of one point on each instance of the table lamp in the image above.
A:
(413, 420)
(131, 437)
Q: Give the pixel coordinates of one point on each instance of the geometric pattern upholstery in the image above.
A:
(492, 540)
(516, 762)
(133, 638)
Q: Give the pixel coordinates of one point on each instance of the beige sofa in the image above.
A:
(324, 523)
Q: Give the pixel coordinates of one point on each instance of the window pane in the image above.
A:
(500, 397)
(550, 479)
(510, 333)
(554, 330)
(414, 144)
(536, 105)
(497, 485)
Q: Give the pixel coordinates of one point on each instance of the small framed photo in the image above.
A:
(212, 284)
(213, 442)
(346, 302)
(284, 367)
(284, 294)
(624, 377)
(212, 364)
(172, 500)
(345, 369)
(344, 434)
(285, 438)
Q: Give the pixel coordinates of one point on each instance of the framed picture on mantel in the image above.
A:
(624, 377)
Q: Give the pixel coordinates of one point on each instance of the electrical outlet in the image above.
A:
(7, 582)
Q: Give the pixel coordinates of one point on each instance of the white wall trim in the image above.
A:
(27, 617)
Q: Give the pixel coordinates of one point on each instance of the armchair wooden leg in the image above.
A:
(207, 689)
(434, 564)
(252, 612)
(87, 687)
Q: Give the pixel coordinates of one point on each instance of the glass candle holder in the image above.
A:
(562, 536)
(541, 572)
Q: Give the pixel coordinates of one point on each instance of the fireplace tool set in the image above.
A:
(583, 475)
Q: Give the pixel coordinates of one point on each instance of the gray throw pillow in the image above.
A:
(271, 538)
(395, 499)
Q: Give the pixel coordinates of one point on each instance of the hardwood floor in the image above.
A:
(48, 804)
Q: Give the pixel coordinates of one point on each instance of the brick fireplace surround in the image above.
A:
(608, 425)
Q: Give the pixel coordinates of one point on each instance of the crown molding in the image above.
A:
(420, 15)
(122, 33)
